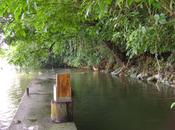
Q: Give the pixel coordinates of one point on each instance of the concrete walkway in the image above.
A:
(34, 110)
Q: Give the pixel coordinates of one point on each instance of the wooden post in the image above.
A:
(63, 85)
(61, 105)
(27, 91)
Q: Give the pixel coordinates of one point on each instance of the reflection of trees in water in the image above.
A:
(98, 94)
(104, 81)
(153, 89)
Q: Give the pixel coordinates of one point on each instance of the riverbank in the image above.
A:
(166, 76)
(145, 68)
(34, 110)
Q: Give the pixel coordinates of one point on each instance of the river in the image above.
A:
(101, 102)
(12, 85)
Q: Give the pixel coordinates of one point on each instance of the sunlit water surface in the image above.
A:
(12, 86)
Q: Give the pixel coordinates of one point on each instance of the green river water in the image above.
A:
(103, 102)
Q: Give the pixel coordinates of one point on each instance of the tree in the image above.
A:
(115, 31)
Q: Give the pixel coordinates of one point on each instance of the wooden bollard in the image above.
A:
(61, 105)
(61, 111)
(27, 91)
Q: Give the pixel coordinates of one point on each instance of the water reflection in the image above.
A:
(103, 102)
(12, 85)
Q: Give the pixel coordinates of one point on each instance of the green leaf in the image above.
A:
(151, 2)
(130, 2)
(172, 105)
(157, 5)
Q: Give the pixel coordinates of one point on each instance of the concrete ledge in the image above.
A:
(63, 126)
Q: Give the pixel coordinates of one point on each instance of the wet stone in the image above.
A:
(32, 119)
(17, 121)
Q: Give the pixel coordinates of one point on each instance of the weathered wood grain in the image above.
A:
(63, 85)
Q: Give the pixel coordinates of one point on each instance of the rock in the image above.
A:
(39, 73)
(104, 71)
(32, 119)
(155, 78)
(172, 85)
(33, 127)
(165, 81)
(173, 81)
(133, 70)
(17, 121)
(134, 75)
(142, 76)
(95, 68)
(115, 72)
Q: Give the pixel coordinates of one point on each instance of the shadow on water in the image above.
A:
(106, 103)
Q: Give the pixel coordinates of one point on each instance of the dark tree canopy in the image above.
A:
(86, 32)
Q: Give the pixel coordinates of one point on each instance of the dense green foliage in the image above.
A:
(88, 32)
